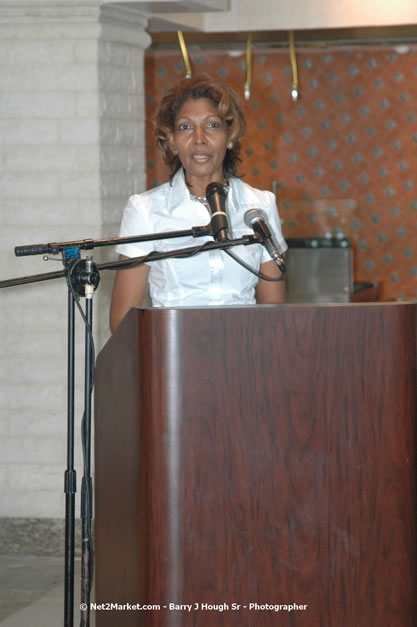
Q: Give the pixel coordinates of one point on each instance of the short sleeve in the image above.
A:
(136, 220)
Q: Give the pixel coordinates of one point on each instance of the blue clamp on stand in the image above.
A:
(71, 253)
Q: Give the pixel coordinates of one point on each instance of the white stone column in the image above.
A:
(71, 151)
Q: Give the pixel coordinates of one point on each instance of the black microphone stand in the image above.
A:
(83, 277)
(70, 480)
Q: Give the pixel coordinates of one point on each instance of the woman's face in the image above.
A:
(200, 140)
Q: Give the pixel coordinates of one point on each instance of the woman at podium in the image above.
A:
(198, 127)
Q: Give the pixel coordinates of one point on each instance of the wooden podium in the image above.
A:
(260, 456)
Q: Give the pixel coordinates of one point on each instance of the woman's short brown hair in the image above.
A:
(229, 107)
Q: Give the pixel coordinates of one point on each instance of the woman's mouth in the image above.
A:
(201, 157)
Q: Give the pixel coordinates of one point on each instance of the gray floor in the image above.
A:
(32, 591)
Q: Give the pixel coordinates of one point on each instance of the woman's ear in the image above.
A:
(232, 139)
(171, 143)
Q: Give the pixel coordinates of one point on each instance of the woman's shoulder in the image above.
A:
(150, 196)
(246, 193)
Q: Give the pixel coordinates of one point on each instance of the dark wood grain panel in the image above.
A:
(269, 457)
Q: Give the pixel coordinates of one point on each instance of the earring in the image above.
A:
(174, 151)
(230, 145)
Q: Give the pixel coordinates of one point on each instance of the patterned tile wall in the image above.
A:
(343, 158)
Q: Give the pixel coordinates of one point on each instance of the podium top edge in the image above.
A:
(358, 305)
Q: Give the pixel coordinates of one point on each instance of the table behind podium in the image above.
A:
(260, 456)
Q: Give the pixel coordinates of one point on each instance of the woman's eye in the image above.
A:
(184, 127)
(213, 125)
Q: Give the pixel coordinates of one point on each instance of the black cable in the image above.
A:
(154, 253)
(200, 249)
(87, 326)
(88, 494)
(260, 275)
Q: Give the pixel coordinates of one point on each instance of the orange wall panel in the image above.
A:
(343, 158)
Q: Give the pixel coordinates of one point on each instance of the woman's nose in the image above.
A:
(199, 135)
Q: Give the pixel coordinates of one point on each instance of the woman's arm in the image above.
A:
(128, 291)
(268, 292)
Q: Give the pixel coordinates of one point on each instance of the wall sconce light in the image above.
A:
(184, 53)
(248, 80)
(293, 60)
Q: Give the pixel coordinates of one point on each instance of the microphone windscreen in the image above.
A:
(252, 215)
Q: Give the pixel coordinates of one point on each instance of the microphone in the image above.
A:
(256, 220)
(216, 199)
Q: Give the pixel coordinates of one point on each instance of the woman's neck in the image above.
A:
(198, 187)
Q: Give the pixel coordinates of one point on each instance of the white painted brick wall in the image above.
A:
(71, 152)
(45, 105)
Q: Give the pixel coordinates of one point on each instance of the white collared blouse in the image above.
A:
(210, 277)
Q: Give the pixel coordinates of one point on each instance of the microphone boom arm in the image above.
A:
(246, 240)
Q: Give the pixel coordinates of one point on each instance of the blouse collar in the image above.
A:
(178, 193)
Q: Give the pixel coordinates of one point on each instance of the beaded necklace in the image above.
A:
(203, 199)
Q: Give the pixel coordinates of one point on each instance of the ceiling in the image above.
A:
(326, 37)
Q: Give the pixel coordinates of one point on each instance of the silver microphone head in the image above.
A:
(252, 215)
